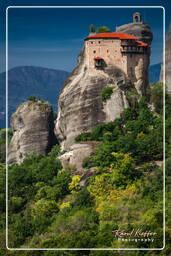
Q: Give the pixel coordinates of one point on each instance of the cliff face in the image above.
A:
(32, 126)
(167, 62)
(141, 30)
(80, 103)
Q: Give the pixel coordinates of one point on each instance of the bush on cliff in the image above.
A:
(32, 98)
(138, 132)
(106, 93)
(103, 29)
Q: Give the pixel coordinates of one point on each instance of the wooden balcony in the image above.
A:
(134, 50)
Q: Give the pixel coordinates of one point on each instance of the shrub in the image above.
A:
(74, 185)
(84, 136)
(106, 93)
(132, 96)
(32, 98)
(157, 97)
(103, 29)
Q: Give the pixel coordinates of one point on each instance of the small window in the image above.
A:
(107, 50)
(99, 42)
(94, 51)
(91, 42)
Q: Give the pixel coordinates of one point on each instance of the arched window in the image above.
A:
(137, 17)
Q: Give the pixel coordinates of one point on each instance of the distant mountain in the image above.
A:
(154, 73)
(29, 80)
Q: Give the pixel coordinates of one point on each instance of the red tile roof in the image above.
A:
(112, 35)
(117, 35)
(98, 58)
(141, 43)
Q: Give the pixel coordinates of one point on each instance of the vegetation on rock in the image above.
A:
(48, 207)
(103, 29)
(106, 93)
(32, 98)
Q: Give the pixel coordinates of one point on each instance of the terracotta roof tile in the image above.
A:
(112, 35)
(142, 44)
(98, 58)
(117, 35)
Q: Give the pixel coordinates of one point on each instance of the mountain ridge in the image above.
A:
(25, 81)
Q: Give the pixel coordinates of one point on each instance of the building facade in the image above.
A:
(120, 50)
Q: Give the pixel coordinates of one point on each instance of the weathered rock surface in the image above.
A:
(32, 126)
(167, 62)
(141, 30)
(76, 155)
(80, 103)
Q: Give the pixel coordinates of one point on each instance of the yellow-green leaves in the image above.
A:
(74, 185)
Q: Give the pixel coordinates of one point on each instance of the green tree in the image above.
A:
(32, 98)
(103, 29)
(157, 97)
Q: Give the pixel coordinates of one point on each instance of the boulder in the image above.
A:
(74, 158)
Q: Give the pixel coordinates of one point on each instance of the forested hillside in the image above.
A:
(52, 207)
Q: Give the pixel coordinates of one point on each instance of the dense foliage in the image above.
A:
(138, 132)
(49, 206)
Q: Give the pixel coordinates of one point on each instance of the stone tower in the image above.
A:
(137, 18)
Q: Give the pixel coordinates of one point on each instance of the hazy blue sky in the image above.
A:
(53, 37)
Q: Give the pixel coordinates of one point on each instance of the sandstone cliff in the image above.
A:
(167, 62)
(32, 126)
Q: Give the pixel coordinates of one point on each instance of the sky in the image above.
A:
(53, 37)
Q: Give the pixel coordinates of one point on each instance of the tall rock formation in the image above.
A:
(167, 62)
(116, 60)
(137, 28)
(33, 130)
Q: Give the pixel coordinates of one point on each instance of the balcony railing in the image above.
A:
(134, 50)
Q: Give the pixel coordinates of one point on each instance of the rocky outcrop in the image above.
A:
(167, 62)
(140, 29)
(32, 126)
(80, 103)
(81, 106)
(76, 155)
